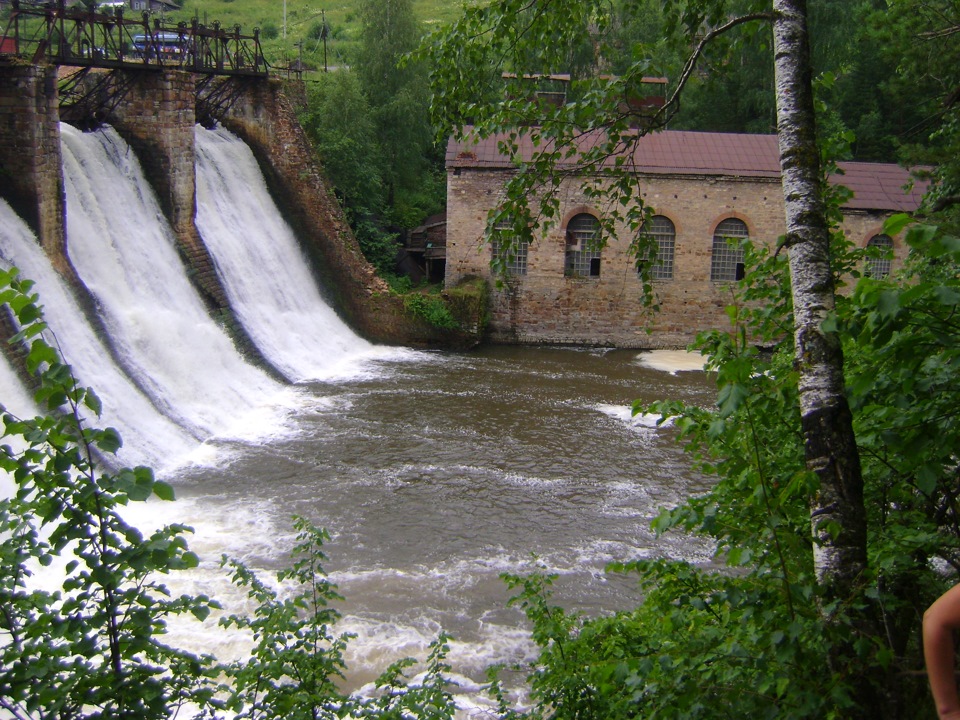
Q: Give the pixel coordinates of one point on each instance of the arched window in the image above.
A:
(660, 229)
(880, 264)
(583, 246)
(509, 251)
(727, 262)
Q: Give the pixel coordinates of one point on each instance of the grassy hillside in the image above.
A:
(303, 22)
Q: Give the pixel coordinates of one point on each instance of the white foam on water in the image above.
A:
(624, 413)
(670, 361)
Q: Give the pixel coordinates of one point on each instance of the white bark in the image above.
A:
(837, 512)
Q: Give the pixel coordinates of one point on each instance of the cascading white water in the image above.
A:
(123, 249)
(267, 278)
(150, 438)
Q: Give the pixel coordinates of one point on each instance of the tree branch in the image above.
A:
(673, 103)
(944, 202)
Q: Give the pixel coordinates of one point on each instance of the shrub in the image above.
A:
(269, 31)
(432, 309)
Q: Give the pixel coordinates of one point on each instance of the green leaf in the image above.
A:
(888, 303)
(730, 398)
(927, 477)
(91, 400)
(895, 224)
(109, 440)
(163, 490)
(947, 295)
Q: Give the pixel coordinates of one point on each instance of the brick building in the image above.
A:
(702, 188)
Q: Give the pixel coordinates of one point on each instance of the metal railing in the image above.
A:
(54, 33)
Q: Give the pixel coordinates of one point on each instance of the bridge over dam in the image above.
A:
(155, 108)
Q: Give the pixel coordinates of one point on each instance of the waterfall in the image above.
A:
(168, 374)
(266, 277)
(149, 437)
(124, 251)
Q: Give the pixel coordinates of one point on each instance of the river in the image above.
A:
(436, 473)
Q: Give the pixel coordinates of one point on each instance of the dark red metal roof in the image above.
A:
(881, 186)
(876, 186)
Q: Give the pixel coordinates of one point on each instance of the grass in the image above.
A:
(303, 18)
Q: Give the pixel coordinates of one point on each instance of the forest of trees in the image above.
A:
(834, 442)
(371, 126)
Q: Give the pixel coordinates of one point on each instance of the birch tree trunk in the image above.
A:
(837, 512)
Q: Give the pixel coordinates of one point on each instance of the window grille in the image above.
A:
(510, 252)
(661, 230)
(726, 264)
(880, 265)
(583, 246)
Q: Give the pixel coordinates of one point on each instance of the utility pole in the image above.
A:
(284, 19)
(323, 36)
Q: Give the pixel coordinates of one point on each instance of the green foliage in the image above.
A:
(701, 645)
(400, 284)
(371, 129)
(904, 344)
(463, 307)
(91, 647)
(379, 246)
(399, 98)
(270, 31)
(318, 31)
(468, 302)
(431, 308)
(338, 121)
(294, 667)
(918, 38)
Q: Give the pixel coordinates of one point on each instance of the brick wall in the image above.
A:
(545, 306)
(30, 160)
